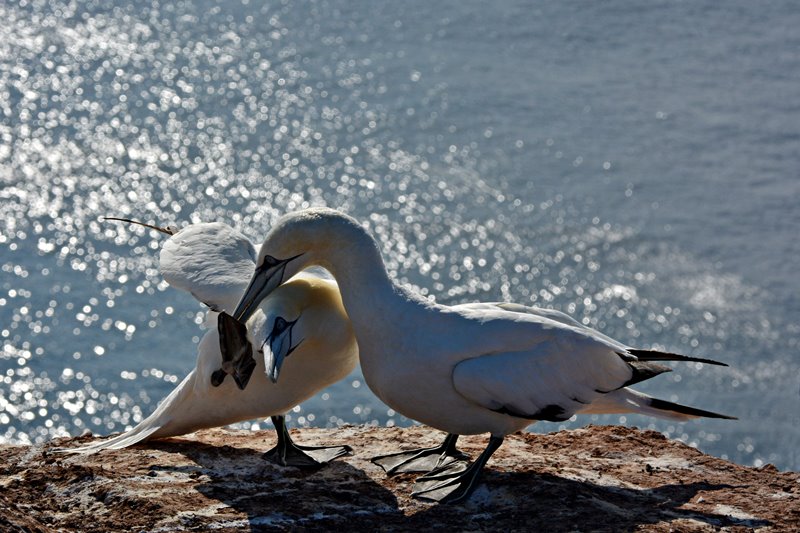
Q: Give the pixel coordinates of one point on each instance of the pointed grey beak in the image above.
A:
(278, 346)
(267, 277)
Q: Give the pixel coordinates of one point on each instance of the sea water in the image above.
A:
(632, 164)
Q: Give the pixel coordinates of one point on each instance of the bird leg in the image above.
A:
(454, 482)
(422, 459)
(287, 453)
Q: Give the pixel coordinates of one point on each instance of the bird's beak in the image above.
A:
(168, 231)
(278, 347)
(267, 277)
(237, 358)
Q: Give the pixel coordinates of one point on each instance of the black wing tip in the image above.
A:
(644, 370)
(655, 355)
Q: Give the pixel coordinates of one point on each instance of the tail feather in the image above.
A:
(157, 425)
(673, 407)
(123, 440)
(655, 355)
(631, 401)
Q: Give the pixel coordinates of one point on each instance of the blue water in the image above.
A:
(633, 164)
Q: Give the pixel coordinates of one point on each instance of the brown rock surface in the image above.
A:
(593, 479)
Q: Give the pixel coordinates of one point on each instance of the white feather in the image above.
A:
(214, 262)
(485, 367)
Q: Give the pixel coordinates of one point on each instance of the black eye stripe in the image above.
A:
(279, 327)
(270, 261)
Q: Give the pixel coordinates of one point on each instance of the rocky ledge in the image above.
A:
(593, 479)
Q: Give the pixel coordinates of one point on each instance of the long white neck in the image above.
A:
(372, 300)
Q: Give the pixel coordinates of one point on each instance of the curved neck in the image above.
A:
(355, 261)
(370, 297)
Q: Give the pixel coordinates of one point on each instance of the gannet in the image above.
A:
(301, 331)
(464, 369)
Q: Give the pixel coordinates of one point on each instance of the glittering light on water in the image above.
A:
(174, 115)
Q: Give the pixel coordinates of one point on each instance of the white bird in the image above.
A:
(464, 369)
(302, 327)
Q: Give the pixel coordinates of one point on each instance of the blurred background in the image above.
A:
(634, 165)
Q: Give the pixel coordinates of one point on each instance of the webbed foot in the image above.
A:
(305, 456)
(454, 482)
(287, 453)
(422, 459)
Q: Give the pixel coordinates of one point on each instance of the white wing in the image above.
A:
(542, 312)
(212, 261)
(550, 381)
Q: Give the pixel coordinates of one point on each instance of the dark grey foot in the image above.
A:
(449, 483)
(422, 459)
(287, 453)
(305, 456)
(454, 482)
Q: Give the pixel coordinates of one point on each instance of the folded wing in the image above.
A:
(551, 381)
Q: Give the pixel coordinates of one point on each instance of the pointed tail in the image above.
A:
(630, 401)
(165, 421)
(672, 409)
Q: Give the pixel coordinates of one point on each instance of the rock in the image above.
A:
(600, 478)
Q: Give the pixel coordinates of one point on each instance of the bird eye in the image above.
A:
(269, 262)
(280, 324)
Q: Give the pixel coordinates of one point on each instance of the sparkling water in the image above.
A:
(632, 164)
